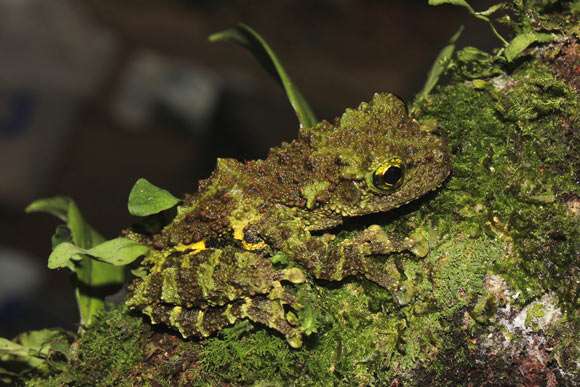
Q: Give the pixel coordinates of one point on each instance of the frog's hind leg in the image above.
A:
(190, 322)
(268, 311)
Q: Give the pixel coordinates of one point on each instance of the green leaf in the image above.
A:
(246, 37)
(491, 10)
(147, 199)
(119, 251)
(8, 347)
(83, 234)
(97, 280)
(61, 234)
(91, 275)
(57, 206)
(523, 41)
(43, 341)
(460, 3)
(14, 352)
(64, 255)
(439, 66)
(94, 280)
(34, 348)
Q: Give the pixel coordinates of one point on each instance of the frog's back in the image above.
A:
(323, 175)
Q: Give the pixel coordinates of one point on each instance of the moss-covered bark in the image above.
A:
(494, 301)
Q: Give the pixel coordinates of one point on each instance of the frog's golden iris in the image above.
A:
(390, 175)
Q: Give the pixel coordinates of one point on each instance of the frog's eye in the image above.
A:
(390, 175)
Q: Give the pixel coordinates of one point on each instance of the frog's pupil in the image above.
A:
(392, 175)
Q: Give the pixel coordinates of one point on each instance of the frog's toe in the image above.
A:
(419, 242)
(285, 296)
(272, 314)
(293, 275)
(294, 339)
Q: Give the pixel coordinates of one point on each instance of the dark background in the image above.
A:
(339, 52)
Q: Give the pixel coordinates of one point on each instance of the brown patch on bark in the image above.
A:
(567, 63)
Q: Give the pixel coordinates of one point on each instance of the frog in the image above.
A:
(217, 261)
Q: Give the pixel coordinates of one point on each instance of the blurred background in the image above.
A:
(97, 93)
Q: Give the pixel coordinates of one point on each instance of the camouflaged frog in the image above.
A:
(212, 265)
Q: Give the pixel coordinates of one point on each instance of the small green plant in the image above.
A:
(511, 49)
(147, 199)
(39, 351)
(96, 264)
(439, 66)
(251, 40)
(481, 15)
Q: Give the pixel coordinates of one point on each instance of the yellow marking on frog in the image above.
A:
(148, 311)
(205, 273)
(194, 248)
(199, 324)
(244, 214)
(253, 246)
(174, 317)
(229, 315)
(311, 191)
(245, 308)
(240, 218)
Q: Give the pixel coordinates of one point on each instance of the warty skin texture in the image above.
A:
(212, 265)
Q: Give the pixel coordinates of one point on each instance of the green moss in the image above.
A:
(110, 349)
(248, 359)
(567, 348)
(459, 268)
(515, 164)
(536, 311)
(106, 353)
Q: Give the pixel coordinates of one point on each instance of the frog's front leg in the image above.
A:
(329, 259)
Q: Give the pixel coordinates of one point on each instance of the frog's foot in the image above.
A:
(206, 322)
(272, 314)
(360, 253)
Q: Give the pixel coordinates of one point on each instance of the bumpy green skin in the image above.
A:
(246, 213)
(315, 181)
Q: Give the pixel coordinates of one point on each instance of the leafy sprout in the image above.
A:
(96, 264)
(523, 41)
(511, 49)
(246, 37)
(482, 15)
(35, 349)
(147, 199)
(439, 66)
